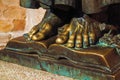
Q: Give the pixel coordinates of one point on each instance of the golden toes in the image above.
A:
(78, 43)
(42, 33)
(33, 31)
(63, 36)
(92, 38)
(92, 35)
(71, 41)
(38, 36)
(61, 39)
(85, 37)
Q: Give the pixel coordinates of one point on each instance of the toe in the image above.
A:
(72, 33)
(61, 39)
(85, 36)
(91, 35)
(71, 41)
(78, 43)
(63, 35)
(38, 36)
(34, 30)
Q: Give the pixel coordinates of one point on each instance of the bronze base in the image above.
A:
(95, 63)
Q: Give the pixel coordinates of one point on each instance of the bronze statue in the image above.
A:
(78, 30)
(76, 38)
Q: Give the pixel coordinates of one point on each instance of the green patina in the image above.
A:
(63, 70)
(9, 59)
(74, 73)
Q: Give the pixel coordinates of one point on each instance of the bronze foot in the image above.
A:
(81, 32)
(47, 28)
(40, 33)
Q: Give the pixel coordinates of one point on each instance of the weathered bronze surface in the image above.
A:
(21, 44)
(87, 47)
(93, 63)
(81, 31)
(95, 56)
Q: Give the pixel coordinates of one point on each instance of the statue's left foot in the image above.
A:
(80, 33)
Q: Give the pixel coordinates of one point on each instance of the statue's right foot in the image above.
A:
(81, 32)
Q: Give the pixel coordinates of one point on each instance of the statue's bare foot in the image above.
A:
(38, 33)
(80, 33)
(47, 28)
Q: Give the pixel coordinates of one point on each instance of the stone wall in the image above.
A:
(16, 20)
(12, 16)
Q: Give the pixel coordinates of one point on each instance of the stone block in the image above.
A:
(10, 2)
(18, 25)
(5, 26)
(13, 12)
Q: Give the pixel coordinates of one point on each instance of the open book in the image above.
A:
(103, 59)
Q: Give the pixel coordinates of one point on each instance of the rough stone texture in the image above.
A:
(11, 2)
(18, 25)
(5, 26)
(10, 11)
(16, 19)
(14, 12)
